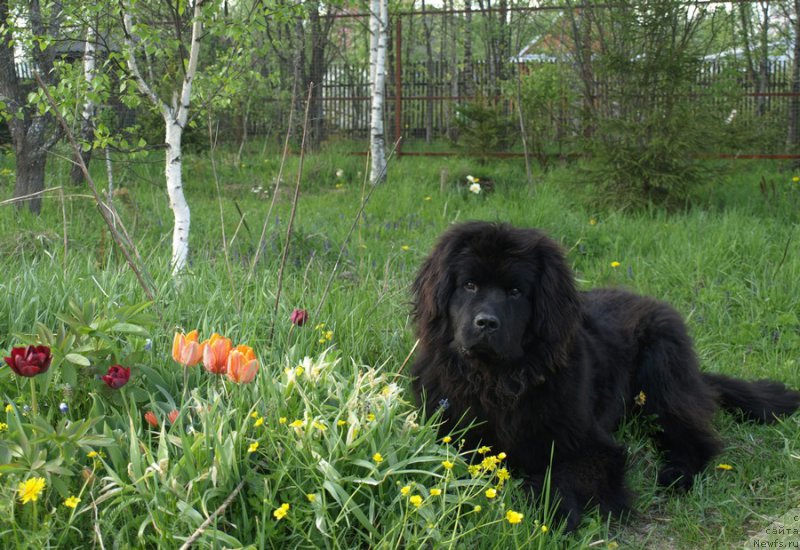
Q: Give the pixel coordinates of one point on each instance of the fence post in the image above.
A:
(398, 85)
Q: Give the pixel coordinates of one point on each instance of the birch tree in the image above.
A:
(379, 25)
(175, 113)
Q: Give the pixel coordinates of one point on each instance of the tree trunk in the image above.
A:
(177, 200)
(379, 22)
(87, 115)
(31, 161)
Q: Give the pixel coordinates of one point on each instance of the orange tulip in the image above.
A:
(215, 353)
(186, 350)
(151, 418)
(242, 364)
(173, 416)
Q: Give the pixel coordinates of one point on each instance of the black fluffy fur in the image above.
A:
(507, 341)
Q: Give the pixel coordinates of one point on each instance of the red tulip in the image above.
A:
(151, 418)
(186, 350)
(116, 377)
(29, 361)
(299, 317)
(173, 416)
(215, 353)
(242, 364)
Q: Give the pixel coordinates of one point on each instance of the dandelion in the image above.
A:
(491, 493)
(447, 465)
(72, 502)
(725, 467)
(378, 458)
(416, 500)
(436, 492)
(640, 399)
(281, 511)
(514, 517)
(405, 489)
(253, 447)
(30, 489)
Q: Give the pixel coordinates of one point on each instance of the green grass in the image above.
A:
(729, 263)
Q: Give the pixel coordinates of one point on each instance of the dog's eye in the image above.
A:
(514, 293)
(469, 286)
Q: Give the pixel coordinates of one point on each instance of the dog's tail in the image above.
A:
(760, 400)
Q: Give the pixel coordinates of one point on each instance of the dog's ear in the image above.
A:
(554, 298)
(431, 290)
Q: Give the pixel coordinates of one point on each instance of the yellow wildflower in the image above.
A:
(311, 497)
(724, 467)
(259, 422)
(640, 399)
(416, 500)
(253, 447)
(297, 424)
(281, 512)
(615, 264)
(545, 529)
(405, 490)
(436, 492)
(72, 502)
(447, 439)
(477, 508)
(30, 489)
(447, 465)
(515, 517)
(483, 450)
(254, 414)
(491, 493)
(370, 417)
(378, 458)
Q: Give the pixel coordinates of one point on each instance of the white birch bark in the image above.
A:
(176, 115)
(379, 24)
(89, 63)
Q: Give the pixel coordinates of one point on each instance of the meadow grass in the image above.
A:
(328, 426)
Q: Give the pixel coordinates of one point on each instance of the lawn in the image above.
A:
(325, 447)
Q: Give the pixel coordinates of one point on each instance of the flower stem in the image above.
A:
(34, 406)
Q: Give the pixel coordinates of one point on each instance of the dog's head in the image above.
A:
(494, 293)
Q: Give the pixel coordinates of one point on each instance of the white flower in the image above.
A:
(339, 173)
(471, 179)
(475, 188)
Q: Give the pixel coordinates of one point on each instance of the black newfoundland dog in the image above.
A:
(506, 341)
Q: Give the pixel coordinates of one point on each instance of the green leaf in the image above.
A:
(78, 359)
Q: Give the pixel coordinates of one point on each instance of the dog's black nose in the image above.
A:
(486, 322)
